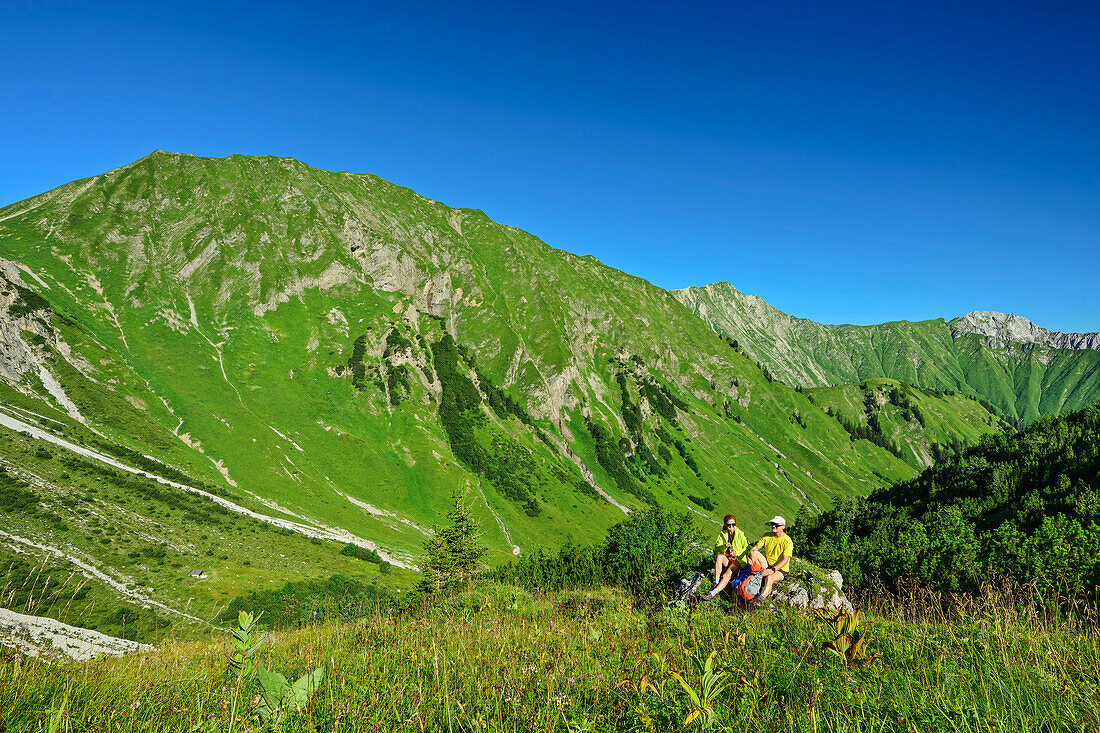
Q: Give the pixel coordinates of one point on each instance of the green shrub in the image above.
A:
(1022, 504)
(610, 455)
(355, 362)
(644, 554)
(311, 600)
(13, 496)
(361, 553)
(702, 501)
(28, 302)
(507, 465)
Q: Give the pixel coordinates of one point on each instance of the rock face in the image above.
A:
(16, 357)
(1008, 328)
(808, 590)
(764, 332)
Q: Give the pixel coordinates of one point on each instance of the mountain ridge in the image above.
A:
(1022, 369)
(341, 352)
(1013, 328)
(983, 322)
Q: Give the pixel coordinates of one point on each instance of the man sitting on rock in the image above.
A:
(730, 550)
(778, 550)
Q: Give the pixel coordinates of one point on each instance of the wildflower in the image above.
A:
(572, 681)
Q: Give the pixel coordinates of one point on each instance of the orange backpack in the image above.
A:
(752, 579)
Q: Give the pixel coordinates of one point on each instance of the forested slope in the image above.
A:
(1025, 504)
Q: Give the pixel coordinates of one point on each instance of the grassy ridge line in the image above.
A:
(1021, 380)
(497, 658)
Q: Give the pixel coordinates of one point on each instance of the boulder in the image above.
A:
(811, 588)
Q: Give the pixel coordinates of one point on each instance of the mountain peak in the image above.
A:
(1011, 328)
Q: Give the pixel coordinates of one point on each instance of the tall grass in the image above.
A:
(497, 658)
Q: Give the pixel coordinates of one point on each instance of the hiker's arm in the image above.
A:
(739, 547)
(783, 563)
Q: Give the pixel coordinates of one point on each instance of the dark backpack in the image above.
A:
(688, 586)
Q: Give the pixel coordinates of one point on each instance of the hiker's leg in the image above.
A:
(726, 578)
(769, 581)
(720, 564)
(732, 569)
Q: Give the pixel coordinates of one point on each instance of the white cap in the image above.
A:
(778, 520)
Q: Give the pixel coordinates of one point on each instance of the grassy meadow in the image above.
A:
(497, 658)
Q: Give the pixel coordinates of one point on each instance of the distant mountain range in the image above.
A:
(1022, 370)
(307, 359)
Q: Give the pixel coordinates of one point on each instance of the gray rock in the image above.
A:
(811, 589)
(1007, 328)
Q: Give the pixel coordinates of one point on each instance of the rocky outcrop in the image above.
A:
(39, 636)
(812, 589)
(1000, 329)
(765, 333)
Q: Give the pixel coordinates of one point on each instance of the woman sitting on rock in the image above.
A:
(730, 551)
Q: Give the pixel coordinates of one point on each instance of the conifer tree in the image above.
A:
(454, 552)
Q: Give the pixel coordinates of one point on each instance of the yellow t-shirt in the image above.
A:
(775, 548)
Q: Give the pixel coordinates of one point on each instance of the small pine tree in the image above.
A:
(454, 552)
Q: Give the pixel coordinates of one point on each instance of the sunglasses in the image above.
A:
(731, 524)
(774, 524)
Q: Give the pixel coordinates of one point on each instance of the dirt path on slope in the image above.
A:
(91, 571)
(319, 531)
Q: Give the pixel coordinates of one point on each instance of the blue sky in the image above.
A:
(849, 162)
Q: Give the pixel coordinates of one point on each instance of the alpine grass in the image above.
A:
(497, 658)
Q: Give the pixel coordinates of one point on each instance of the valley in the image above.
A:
(245, 365)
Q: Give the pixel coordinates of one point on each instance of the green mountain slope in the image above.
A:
(1026, 505)
(340, 352)
(1022, 370)
(920, 425)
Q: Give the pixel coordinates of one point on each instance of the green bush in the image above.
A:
(644, 554)
(13, 496)
(311, 600)
(702, 501)
(1022, 504)
(610, 455)
(28, 302)
(361, 553)
(507, 464)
